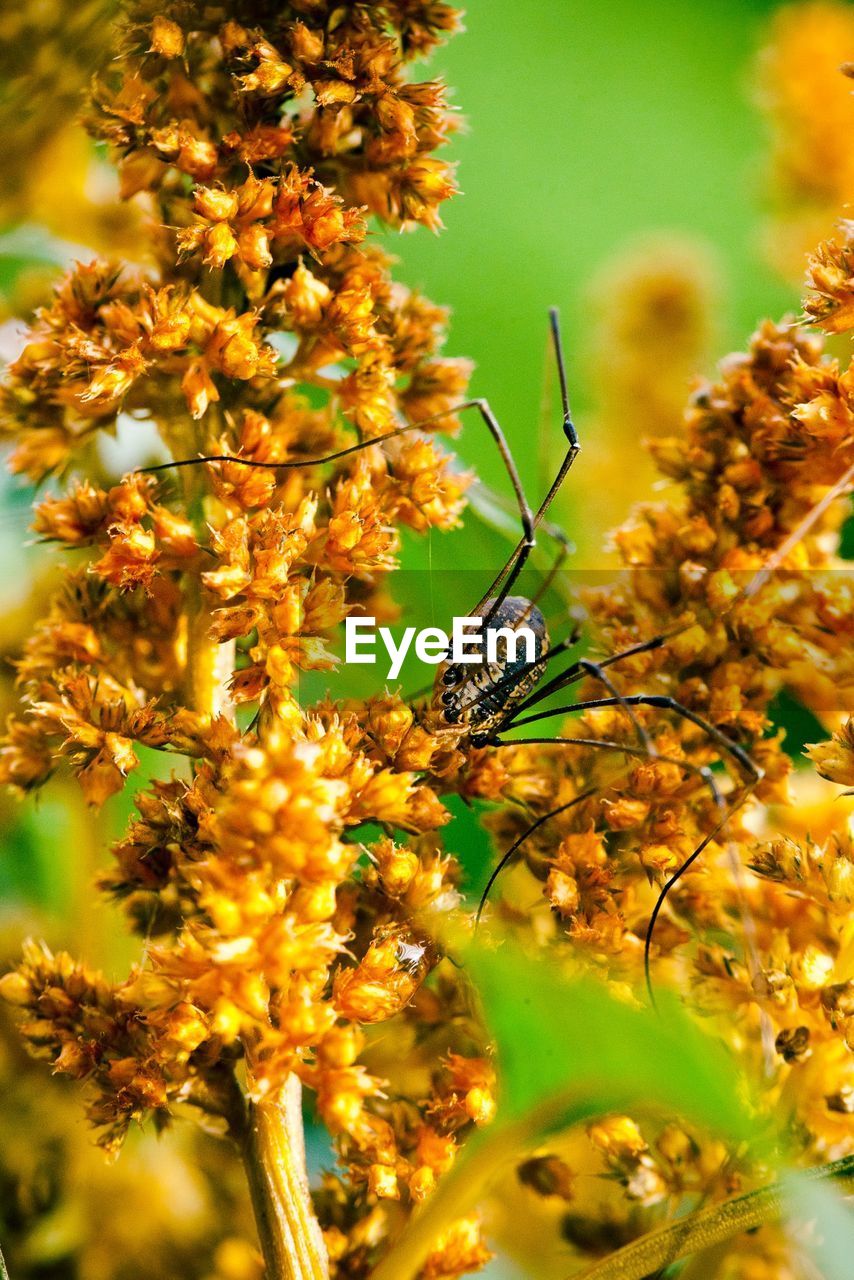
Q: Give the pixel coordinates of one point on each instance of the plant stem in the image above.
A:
(274, 1156)
(708, 1227)
(209, 665)
(272, 1143)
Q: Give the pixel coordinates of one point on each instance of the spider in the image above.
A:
(479, 705)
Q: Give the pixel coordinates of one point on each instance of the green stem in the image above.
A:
(708, 1227)
(4, 1274)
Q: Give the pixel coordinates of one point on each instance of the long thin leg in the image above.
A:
(598, 673)
(575, 672)
(665, 703)
(530, 521)
(728, 811)
(607, 744)
(507, 507)
(571, 675)
(564, 549)
(482, 406)
(501, 586)
(517, 844)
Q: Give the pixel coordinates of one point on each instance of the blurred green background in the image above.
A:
(586, 127)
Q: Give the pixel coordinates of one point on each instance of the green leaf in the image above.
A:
(30, 872)
(569, 1051)
(830, 1240)
(27, 246)
(556, 1036)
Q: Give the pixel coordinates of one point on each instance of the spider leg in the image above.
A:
(479, 494)
(530, 520)
(503, 582)
(607, 744)
(727, 812)
(597, 671)
(665, 703)
(508, 855)
(482, 406)
(564, 549)
(572, 674)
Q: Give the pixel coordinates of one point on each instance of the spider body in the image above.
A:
(499, 688)
(474, 699)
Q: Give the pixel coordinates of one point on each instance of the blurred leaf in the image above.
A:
(846, 549)
(34, 244)
(800, 724)
(471, 842)
(831, 1239)
(31, 874)
(25, 247)
(568, 1051)
(555, 1035)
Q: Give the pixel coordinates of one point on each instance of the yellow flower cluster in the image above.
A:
(772, 943)
(810, 113)
(269, 332)
(64, 1206)
(288, 877)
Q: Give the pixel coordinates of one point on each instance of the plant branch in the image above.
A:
(271, 1133)
(708, 1227)
(274, 1156)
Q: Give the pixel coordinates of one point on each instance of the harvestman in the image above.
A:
(478, 705)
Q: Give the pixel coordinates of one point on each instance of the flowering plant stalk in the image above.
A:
(257, 150)
(279, 953)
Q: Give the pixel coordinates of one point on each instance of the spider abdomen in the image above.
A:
(478, 695)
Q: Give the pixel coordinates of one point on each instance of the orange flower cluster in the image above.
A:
(265, 330)
(810, 113)
(288, 876)
(758, 450)
(188, 1197)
